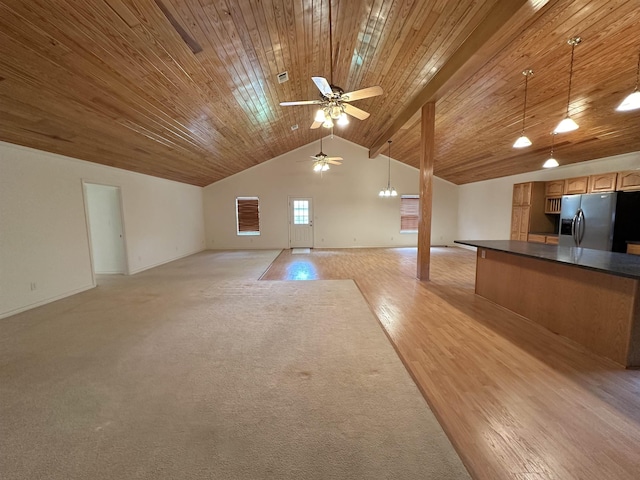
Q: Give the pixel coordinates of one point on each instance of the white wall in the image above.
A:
(484, 208)
(347, 209)
(44, 246)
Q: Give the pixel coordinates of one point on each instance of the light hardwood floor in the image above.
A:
(517, 401)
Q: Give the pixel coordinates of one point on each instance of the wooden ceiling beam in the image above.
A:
(503, 22)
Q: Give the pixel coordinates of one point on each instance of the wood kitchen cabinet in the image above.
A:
(576, 185)
(629, 180)
(603, 182)
(554, 188)
(522, 194)
(527, 211)
(538, 238)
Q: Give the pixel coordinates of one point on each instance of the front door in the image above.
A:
(300, 223)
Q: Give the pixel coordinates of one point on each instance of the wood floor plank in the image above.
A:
(516, 400)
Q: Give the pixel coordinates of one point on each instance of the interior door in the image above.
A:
(106, 228)
(300, 222)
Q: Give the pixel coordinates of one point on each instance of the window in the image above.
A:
(248, 215)
(301, 212)
(409, 213)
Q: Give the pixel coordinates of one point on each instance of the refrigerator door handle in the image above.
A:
(581, 226)
(573, 229)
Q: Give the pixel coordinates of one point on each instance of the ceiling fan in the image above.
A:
(334, 101)
(322, 160)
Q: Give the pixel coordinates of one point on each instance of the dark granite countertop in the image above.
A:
(614, 263)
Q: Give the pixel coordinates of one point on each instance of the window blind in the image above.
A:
(248, 215)
(409, 213)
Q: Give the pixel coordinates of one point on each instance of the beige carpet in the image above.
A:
(194, 371)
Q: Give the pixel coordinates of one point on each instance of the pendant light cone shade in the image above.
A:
(567, 124)
(632, 102)
(389, 191)
(523, 141)
(551, 162)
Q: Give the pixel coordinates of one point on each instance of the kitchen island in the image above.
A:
(589, 296)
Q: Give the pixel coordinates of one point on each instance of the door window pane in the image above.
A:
(301, 212)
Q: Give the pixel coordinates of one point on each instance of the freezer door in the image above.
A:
(568, 217)
(596, 224)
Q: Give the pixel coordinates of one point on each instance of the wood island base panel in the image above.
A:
(596, 309)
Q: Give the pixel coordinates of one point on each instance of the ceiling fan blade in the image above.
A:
(334, 158)
(355, 111)
(315, 125)
(301, 102)
(333, 162)
(322, 85)
(363, 93)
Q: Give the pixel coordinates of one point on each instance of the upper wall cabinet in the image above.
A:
(576, 185)
(554, 188)
(629, 180)
(522, 194)
(603, 182)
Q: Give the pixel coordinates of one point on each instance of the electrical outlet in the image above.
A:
(33, 286)
(483, 254)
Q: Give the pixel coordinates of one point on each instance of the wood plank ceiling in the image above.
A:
(187, 89)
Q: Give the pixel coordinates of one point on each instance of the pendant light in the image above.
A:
(567, 124)
(522, 140)
(389, 191)
(551, 162)
(632, 102)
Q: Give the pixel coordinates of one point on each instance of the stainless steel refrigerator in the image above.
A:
(588, 220)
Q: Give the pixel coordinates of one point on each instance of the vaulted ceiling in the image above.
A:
(188, 90)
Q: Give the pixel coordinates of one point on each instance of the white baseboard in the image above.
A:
(148, 267)
(45, 301)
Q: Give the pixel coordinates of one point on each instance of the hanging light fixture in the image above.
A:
(567, 124)
(551, 162)
(523, 140)
(320, 166)
(389, 191)
(632, 102)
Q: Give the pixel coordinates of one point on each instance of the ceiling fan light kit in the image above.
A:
(632, 101)
(523, 141)
(319, 166)
(567, 124)
(389, 191)
(334, 101)
(322, 160)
